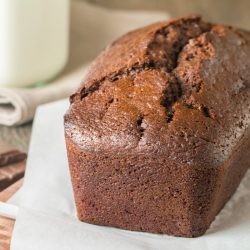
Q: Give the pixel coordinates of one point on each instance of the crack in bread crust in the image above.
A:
(116, 76)
(169, 49)
(162, 54)
(165, 93)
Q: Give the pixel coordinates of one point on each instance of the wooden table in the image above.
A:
(6, 224)
(18, 137)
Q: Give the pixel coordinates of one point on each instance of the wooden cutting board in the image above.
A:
(6, 224)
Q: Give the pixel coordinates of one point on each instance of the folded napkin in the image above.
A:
(92, 28)
(18, 105)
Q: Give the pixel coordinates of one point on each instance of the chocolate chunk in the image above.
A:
(11, 173)
(10, 155)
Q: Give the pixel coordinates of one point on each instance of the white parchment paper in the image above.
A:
(47, 220)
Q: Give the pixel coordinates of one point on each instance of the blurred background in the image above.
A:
(223, 11)
(82, 33)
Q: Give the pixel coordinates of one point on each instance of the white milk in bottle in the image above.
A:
(33, 40)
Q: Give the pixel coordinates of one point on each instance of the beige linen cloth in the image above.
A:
(92, 28)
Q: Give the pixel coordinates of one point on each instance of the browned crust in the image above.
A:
(164, 112)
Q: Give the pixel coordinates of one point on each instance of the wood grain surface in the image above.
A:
(6, 224)
(18, 137)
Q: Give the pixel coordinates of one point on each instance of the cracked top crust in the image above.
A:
(177, 89)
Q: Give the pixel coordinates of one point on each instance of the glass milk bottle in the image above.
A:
(33, 40)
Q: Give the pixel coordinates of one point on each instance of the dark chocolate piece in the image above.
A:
(10, 155)
(11, 173)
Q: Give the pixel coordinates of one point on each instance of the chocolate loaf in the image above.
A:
(158, 133)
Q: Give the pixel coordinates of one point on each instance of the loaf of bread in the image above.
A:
(158, 133)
